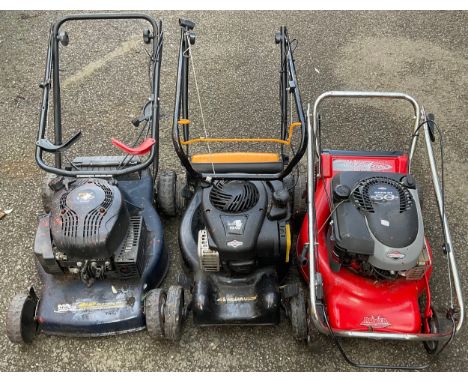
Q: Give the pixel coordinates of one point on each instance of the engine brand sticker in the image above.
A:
(375, 322)
(85, 196)
(381, 194)
(234, 299)
(90, 305)
(385, 223)
(360, 165)
(234, 225)
(395, 255)
(234, 243)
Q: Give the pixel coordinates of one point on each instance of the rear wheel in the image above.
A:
(155, 302)
(21, 324)
(296, 184)
(174, 313)
(298, 315)
(47, 193)
(169, 195)
(300, 203)
(166, 189)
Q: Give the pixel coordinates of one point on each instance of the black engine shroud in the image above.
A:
(91, 231)
(242, 228)
(89, 220)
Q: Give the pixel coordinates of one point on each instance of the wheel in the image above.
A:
(47, 193)
(21, 324)
(297, 186)
(154, 311)
(179, 195)
(433, 346)
(313, 342)
(166, 190)
(310, 327)
(174, 312)
(300, 203)
(438, 323)
(298, 315)
(169, 196)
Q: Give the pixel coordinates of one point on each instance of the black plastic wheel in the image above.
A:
(174, 313)
(300, 202)
(166, 193)
(433, 346)
(298, 315)
(21, 324)
(311, 338)
(47, 193)
(179, 195)
(154, 311)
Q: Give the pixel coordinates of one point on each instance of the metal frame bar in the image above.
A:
(181, 106)
(52, 76)
(312, 146)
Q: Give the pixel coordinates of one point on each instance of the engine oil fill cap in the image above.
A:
(341, 192)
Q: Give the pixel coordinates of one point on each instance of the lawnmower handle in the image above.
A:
(370, 94)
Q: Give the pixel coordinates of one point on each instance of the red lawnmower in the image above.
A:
(369, 267)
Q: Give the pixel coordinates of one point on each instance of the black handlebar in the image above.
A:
(52, 78)
(289, 85)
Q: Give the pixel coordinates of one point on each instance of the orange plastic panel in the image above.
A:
(237, 157)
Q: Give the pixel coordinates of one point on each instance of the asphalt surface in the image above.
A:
(104, 85)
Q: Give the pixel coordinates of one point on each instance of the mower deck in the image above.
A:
(384, 305)
(68, 307)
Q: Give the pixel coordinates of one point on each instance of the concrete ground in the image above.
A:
(422, 53)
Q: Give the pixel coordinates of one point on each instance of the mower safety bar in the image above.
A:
(288, 85)
(52, 78)
(313, 281)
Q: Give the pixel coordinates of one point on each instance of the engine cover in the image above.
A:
(379, 216)
(246, 225)
(89, 220)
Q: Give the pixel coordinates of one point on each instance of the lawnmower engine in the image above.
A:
(90, 232)
(246, 226)
(235, 238)
(377, 226)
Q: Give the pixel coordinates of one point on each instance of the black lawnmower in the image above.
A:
(235, 235)
(99, 245)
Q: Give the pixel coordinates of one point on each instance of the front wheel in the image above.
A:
(174, 313)
(21, 324)
(434, 327)
(155, 302)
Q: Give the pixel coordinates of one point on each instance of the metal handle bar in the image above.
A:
(363, 94)
(319, 324)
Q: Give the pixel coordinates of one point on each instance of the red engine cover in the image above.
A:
(353, 301)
